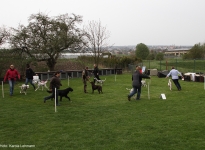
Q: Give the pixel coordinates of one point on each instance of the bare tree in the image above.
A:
(4, 34)
(97, 37)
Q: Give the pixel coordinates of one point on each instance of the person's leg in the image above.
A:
(26, 81)
(179, 86)
(51, 96)
(132, 93)
(138, 92)
(176, 83)
(98, 77)
(85, 85)
(31, 82)
(10, 87)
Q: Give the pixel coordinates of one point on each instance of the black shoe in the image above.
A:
(138, 99)
(128, 97)
(57, 104)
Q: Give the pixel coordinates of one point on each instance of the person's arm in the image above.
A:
(18, 74)
(168, 74)
(6, 76)
(144, 76)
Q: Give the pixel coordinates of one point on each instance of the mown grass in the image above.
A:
(107, 121)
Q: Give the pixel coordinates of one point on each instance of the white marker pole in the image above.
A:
(204, 82)
(55, 99)
(148, 91)
(2, 89)
(68, 80)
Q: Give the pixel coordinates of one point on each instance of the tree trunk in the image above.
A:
(51, 62)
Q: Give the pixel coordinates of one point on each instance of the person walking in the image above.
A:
(175, 77)
(54, 84)
(136, 83)
(29, 76)
(11, 75)
(85, 78)
(96, 73)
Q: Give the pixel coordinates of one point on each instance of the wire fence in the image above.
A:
(195, 66)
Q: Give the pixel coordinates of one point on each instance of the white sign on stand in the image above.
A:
(163, 96)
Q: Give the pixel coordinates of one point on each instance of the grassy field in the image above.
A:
(106, 121)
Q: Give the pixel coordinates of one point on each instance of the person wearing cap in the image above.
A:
(11, 75)
(55, 83)
(29, 76)
(175, 77)
(136, 83)
(85, 78)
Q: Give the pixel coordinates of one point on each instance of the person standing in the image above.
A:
(136, 83)
(29, 76)
(96, 72)
(54, 84)
(175, 77)
(11, 75)
(85, 78)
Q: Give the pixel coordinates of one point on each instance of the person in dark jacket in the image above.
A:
(85, 77)
(136, 83)
(96, 72)
(11, 75)
(29, 76)
(54, 84)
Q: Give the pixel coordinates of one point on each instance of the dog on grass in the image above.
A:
(96, 87)
(42, 84)
(63, 93)
(170, 84)
(23, 88)
(144, 84)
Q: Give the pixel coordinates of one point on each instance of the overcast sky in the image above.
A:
(152, 22)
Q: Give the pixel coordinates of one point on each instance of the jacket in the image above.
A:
(29, 73)
(11, 74)
(137, 78)
(55, 83)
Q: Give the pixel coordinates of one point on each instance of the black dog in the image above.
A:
(96, 87)
(63, 93)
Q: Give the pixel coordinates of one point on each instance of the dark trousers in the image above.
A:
(176, 82)
(30, 81)
(53, 95)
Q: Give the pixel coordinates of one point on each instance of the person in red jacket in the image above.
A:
(11, 75)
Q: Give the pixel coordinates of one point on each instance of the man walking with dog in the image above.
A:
(85, 78)
(175, 77)
(11, 75)
(54, 84)
(96, 72)
(29, 76)
(136, 83)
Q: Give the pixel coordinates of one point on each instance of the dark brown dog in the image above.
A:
(96, 87)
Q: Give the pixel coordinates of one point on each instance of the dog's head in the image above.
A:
(92, 83)
(70, 89)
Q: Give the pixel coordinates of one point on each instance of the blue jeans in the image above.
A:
(53, 95)
(30, 81)
(11, 86)
(135, 90)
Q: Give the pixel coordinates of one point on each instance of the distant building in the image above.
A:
(176, 52)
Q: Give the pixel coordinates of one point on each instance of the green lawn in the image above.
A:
(106, 121)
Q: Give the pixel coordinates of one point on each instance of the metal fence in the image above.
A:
(196, 65)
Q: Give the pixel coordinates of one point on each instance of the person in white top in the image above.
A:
(175, 76)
